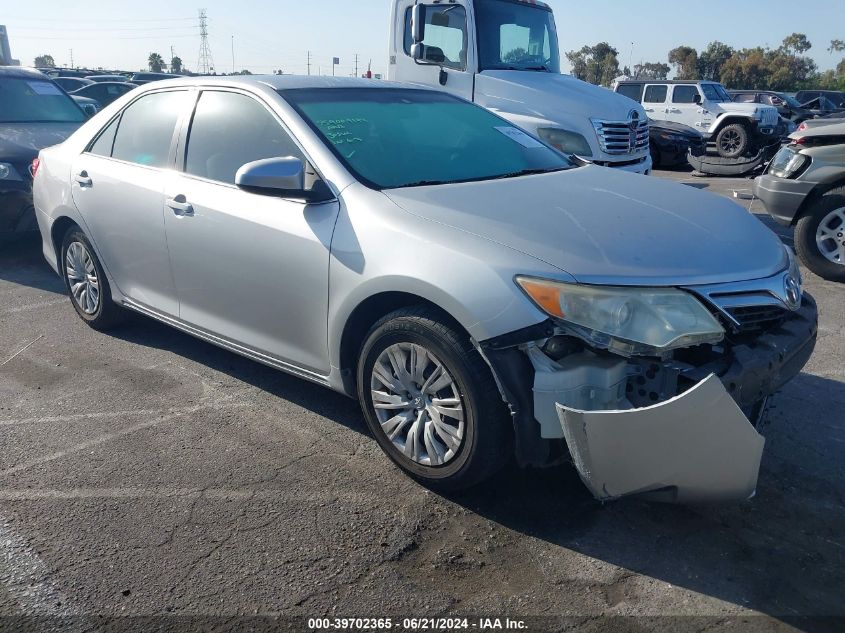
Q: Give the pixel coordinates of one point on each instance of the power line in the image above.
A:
(205, 65)
(104, 37)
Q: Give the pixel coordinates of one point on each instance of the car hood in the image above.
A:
(539, 93)
(608, 227)
(22, 141)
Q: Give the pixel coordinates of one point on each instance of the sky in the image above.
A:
(268, 35)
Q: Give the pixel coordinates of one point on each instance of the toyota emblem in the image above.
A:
(793, 292)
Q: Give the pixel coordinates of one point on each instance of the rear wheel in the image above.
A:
(431, 402)
(820, 236)
(732, 140)
(86, 282)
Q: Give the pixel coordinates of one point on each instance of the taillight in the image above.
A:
(33, 169)
(801, 141)
(802, 127)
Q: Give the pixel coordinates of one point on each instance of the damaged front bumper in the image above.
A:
(696, 446)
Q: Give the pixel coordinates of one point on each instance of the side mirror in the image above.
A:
(697, 99)
(418, 23)
(283, 177)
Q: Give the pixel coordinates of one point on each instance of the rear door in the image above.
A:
(250, 268)
(118, 187)
(654, 101)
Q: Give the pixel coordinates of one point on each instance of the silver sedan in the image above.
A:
(481, 294)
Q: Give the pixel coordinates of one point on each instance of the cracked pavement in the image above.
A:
(145, 473)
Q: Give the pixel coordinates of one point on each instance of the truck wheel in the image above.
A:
(431, 402)
(820, 236)
(732, 140)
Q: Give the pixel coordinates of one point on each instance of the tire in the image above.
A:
(732, 140)
(79, 265)
(479, 445)
(655, 157)
(824, 216)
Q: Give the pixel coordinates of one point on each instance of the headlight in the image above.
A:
(789, 164)
(673, 138)
(568, 142)
(8, 172)
(628, 321)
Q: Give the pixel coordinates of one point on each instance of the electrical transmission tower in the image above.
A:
(205, 65)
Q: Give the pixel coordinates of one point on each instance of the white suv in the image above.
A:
(737, 129)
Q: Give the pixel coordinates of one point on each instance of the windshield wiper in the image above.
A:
(527, 172)
(542, 68)
(421, 183)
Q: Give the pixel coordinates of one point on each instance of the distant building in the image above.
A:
(5, 51)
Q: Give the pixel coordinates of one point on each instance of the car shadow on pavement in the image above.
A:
(781, 553)
(22, 262)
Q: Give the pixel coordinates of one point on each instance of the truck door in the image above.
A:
(654, 101)
(449, 45)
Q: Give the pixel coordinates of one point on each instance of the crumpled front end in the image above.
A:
(679, 428)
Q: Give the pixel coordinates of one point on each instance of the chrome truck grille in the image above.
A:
(622, 137)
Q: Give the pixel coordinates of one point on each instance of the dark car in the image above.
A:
(104, 93)
(144, 78)
(34, 113)
(69, 84)
(107, 78)
(671, 143)
(788, 107)
(836, 98)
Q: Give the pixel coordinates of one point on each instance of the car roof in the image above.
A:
(668, 81)
(286, 82)
(22, 73)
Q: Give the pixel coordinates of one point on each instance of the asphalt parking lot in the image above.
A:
(145, 473)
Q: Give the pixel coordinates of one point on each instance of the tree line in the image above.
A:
(783, 68)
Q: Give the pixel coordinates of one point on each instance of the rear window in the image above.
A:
(655, 94)
(35, 100)
(146, 128)
(632, 91)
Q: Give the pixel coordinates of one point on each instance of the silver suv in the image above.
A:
(737, 129)
(480, 293)
(804, 187)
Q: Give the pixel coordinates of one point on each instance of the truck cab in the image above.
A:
(504, 55)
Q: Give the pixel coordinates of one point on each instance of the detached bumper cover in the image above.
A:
(697, 447)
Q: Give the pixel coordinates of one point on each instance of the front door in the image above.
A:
(118, 186)
(250, 268)
(448, 46)
(685, 106)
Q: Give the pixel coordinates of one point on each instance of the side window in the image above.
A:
(103, 145)
(632, 91)
(655, 94)
(146, 128)
(684, 94)
(230, 130)
(745, 97)
(445, 35)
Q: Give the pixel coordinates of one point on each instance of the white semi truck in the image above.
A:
(504, 55)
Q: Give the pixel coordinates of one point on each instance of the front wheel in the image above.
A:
(431, 402)
(820, 236)
(732, 140)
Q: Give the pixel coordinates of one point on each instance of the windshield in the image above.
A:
(35, 100)
(515, 35)
(715, 92)
(392, 137)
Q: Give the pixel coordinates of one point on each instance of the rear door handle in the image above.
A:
(83, 180)
(649, 109)
(180, 206)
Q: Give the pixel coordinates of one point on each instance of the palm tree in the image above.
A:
(156, 62)
(176, 64)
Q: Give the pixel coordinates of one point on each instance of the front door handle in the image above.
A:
(83, 179)
(179, 205)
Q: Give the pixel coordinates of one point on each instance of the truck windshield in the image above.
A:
(36, 101)
(392, 137)
(716, 92)
(516, 35)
